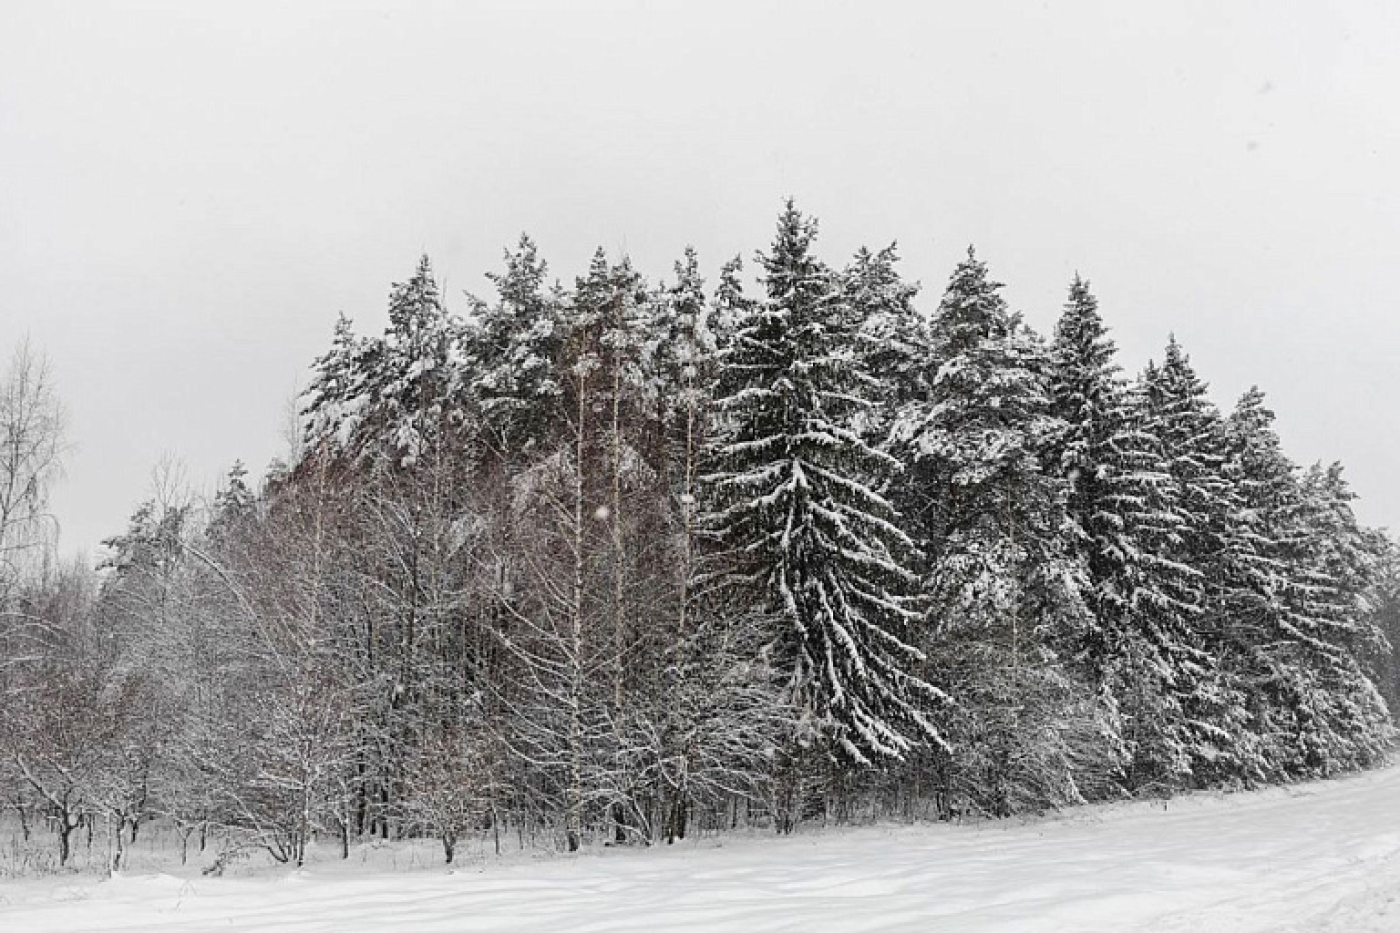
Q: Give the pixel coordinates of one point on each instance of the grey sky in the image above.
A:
(189, 193)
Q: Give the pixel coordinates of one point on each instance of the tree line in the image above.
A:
(619, 561)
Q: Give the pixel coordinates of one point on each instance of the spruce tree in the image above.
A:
(1005, 583)
(975, 441)
(796, 501)
(1342, 717)
(1127, 528)
(1097, 458)
(1185, 624)
(1384, 598)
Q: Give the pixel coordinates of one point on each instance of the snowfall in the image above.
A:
(1316, 857)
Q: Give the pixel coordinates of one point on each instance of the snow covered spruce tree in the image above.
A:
(998, 561)
(417, 389)
(1100, 459)
(1297, 625)
(1384, 598)
(794, 499)
(1345, 711)
(1137, 640)
(614, 562)
(1204, 739)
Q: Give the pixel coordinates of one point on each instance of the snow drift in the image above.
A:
(1315, 857)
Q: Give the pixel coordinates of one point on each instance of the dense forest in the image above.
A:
(623, 560)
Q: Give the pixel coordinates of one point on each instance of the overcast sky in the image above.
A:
(190, 193)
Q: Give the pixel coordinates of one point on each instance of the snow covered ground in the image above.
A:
(1319, 857)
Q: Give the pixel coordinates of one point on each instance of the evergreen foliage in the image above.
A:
(513, 346)
(999, 564)
(797, 500)
(620, 561)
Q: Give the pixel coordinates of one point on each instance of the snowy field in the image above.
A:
(1318, 857)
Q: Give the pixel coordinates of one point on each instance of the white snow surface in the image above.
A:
(1317, 857)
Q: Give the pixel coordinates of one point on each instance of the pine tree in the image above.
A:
(730, 304)
(797, 502)
(679, 360)
(418, 389)
(607, 317)
(336, 397)
(396, 460)
(234, 504)
(392, 399)
(514, 347)
(891, 336)
(680, 363)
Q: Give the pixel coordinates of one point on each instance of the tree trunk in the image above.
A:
(619, 623)
(66, 825)
(574, 794)
(119, 855)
